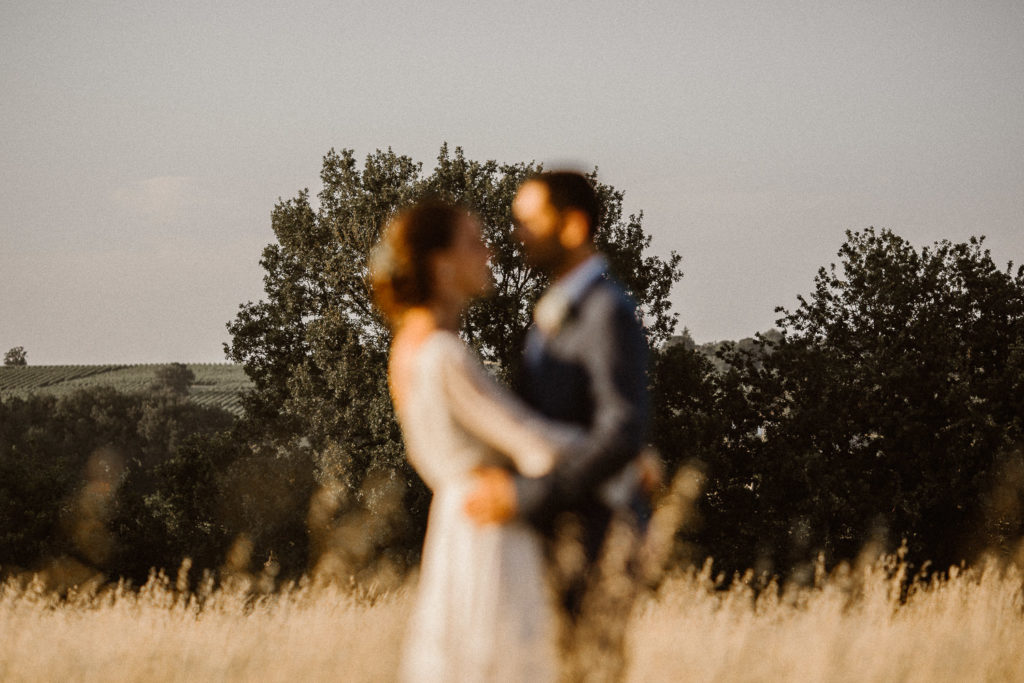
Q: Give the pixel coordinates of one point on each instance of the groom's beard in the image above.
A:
(546, 255)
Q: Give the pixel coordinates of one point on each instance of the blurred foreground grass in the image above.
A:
(866, 623)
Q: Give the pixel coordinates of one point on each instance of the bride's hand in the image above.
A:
(652, 471)
(493, 499)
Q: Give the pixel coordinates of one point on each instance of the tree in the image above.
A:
(887, 408)
(688, 425)
(316, 349)
(123, 481)
(16, 356)
(175, 378)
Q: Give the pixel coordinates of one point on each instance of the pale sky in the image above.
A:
(143, 144)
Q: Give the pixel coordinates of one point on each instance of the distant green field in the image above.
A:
(219, 384)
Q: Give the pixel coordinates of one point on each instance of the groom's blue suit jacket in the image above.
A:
(591, 372)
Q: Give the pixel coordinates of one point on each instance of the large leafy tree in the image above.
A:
(316, 349)
(887, 410)
(16, 356)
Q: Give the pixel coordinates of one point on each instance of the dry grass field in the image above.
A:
(854, 625)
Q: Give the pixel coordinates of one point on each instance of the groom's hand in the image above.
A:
(493, 499)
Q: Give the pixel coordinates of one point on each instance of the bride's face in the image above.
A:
(463, 270)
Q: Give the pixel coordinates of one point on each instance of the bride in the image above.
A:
(483, 611)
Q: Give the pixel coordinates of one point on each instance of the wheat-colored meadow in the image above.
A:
(853, 625)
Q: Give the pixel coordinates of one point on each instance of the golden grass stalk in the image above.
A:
(858, 624)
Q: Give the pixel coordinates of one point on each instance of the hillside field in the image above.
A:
(217, 384)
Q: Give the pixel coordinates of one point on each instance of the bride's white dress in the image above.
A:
(483, 612)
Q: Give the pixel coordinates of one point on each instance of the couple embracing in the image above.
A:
(507, 471)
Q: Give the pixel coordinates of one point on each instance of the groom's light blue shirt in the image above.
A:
(557, 301)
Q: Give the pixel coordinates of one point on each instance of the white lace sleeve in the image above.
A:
(498, 418)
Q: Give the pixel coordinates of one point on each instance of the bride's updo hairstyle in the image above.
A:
(400, 265)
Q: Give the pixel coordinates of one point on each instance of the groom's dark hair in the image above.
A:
(572, 190)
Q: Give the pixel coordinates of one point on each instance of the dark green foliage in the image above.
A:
(888, 407)
(265, 497)
(168, 502)
(175, 379)
(123, 482)
(687, 424)
(16, 356)
(45, 445)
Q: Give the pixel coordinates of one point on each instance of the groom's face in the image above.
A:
(538, 226)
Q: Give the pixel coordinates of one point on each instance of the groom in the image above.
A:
(585, 363)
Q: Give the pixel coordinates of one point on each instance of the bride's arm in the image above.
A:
(501, 420)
